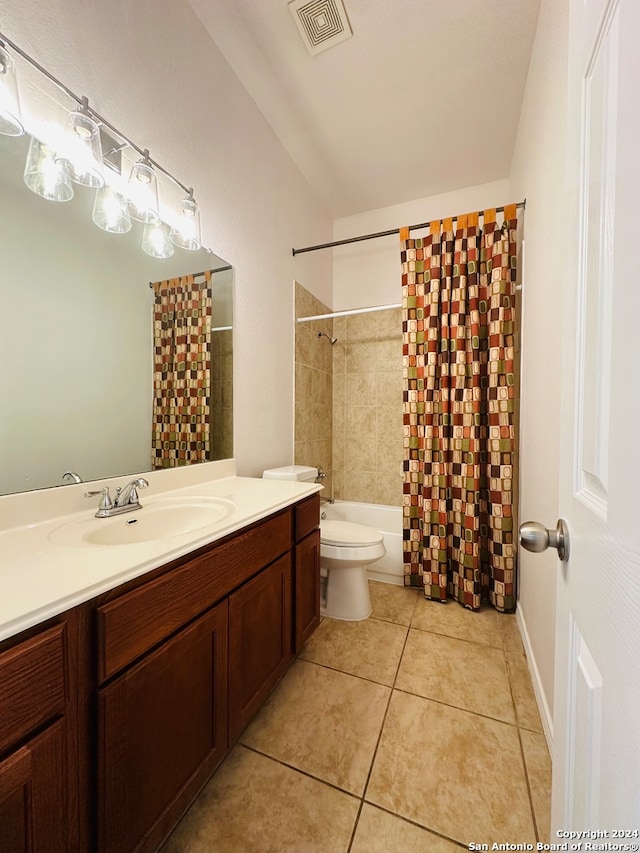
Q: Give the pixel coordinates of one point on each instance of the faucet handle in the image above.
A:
(129, 494)
(140, 483)
(105, 500)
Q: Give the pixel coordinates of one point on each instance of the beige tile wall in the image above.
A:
(222, 395)
(349, 401)
(367, 407)
(313, 387)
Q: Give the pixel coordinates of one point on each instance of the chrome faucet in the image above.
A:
(322, 476)
(71, 476)
(126, 499)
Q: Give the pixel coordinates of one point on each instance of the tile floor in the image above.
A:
(414, 730)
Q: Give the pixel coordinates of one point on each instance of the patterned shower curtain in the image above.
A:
(458, 293)
(182, 371)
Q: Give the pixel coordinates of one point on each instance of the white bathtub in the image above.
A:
(386, 519)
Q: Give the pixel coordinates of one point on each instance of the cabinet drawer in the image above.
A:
(134, 623)
(307, 516)
(33, 684)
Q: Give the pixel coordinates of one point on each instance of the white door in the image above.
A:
(596, 755)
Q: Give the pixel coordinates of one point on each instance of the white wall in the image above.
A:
(150, 68)
(537, 172)
(368, 273)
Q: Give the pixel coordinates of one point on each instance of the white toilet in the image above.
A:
(346, 549)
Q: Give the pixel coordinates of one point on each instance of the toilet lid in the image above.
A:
(348, 533)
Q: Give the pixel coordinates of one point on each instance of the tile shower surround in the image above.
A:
(222, 394)
(370, 743)
(349, 401)
(313, 387)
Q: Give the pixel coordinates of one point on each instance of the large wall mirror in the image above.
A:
(76, 339)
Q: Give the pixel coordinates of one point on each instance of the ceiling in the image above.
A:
(424, 99)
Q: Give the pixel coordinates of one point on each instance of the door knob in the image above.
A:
(535, 537)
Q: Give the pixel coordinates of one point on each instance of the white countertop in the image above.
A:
(40, 579)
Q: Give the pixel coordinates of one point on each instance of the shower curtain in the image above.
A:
(458, 294)
(182, 371)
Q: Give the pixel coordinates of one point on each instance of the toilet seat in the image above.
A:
(348, 534)
(347, 544)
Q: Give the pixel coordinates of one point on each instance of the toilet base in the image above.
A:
(347, 592)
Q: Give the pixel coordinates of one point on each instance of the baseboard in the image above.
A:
(546, 716)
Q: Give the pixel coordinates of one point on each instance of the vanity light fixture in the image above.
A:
(46, 174)
(155, 240)
(111, 211)
(84, 148)
(143, 191)
(80, 158)
(10, 118)
(186, 233)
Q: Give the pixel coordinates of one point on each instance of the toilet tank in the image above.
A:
(301, 473)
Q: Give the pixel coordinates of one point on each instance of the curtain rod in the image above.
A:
(196, 274)
(391, 231)
(349, 312)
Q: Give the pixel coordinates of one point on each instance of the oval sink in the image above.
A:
(160, 518)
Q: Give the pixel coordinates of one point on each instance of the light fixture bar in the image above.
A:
(141, 151)
(83, 101)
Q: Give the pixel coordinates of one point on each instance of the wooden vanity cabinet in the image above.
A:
(38, 809)
(307, 570)
(185, 660)
(162, 730)
(259, 642)
(33, 801)
(114, 715)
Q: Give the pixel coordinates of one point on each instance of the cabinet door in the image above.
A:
(259, 641)
(307, 589)
(33, 801)
(162, 730)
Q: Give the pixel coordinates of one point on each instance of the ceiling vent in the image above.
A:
(322, 23)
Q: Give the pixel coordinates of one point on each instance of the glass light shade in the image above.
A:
(110, 211)
(10, 118)
(143, 192)
(186, 234)
(46, 174)
(156, 242)
(84, 150)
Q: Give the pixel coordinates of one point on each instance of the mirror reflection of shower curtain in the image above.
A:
(182, 371)
(458, 296)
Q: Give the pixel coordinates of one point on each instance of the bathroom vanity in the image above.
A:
(114, 713)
